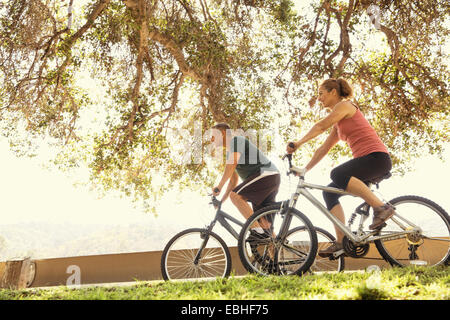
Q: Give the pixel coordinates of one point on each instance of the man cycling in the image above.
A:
(260, 177)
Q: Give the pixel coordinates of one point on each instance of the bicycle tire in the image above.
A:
(265, 262)
(177, 259)
(435, 224)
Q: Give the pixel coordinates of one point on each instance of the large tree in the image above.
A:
(167, 64)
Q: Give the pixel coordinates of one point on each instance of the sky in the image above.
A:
(30, 192)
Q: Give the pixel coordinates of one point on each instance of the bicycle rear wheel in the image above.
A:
(431, 244)
(277, 252)
(195, 253)
(324, 240)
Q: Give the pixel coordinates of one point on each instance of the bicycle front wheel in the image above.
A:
(195, 253)
(430, 244)
(288, 245)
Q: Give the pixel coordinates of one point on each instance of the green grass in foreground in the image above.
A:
(396, 283)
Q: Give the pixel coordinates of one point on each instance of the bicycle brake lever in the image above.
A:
(216, 203)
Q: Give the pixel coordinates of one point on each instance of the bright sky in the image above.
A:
(32, 193)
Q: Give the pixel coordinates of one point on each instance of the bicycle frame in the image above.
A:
(370, 237)
(222, 217)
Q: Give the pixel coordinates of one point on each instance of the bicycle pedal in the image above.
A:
(337, 254)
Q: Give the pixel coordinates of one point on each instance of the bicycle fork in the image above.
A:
(287, 218)
(205, 237)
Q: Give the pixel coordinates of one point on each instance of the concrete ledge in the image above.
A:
(126, 267)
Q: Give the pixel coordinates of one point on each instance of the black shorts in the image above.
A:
(259, 190)
(366, 168)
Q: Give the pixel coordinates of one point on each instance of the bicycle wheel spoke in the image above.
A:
(437, 239)
(211, 254)
(296, 251)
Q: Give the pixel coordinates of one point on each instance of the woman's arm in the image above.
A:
(340, 111)
(323, 150)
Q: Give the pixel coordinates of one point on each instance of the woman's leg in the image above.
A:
(350, 176)
(333, 205)
(360, 189)
(338, 212)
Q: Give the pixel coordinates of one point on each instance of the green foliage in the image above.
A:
(161, 66)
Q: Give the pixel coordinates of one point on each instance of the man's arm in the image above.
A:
(231, 185)
(228, 173)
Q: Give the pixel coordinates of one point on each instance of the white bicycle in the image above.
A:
(418, 231)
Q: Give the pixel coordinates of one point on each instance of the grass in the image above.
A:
(411, 283)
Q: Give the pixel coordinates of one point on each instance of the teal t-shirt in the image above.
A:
(252, 160)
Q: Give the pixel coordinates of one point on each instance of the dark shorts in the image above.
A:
(259, 191)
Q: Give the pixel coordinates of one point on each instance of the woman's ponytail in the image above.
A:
(342, 87)
(346, 90)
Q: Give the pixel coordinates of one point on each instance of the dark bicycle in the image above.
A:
(201, 253)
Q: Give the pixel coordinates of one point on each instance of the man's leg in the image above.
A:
(246, 210)
(241, 203)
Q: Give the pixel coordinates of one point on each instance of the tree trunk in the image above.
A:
(18, 274)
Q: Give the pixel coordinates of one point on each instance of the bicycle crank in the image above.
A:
(354, 250)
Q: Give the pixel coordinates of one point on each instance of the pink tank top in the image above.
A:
(359, 135)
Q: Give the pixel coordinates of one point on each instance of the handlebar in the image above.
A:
(289, 155)
(215, 202)
(292, 168)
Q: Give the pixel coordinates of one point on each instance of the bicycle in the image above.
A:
(200, 253)
(418, 231)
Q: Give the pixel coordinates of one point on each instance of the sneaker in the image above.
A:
(330, 250)
(380, 215)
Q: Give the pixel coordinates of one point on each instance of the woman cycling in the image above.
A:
(370, 156)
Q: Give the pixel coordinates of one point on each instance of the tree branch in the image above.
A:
(100, 6)
(175, 51)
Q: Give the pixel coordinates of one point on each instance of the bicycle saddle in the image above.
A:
(379, 179)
